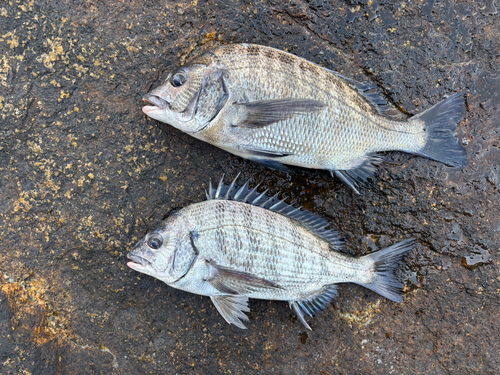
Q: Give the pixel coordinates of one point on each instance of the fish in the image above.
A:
(281, 110)
(241, 244)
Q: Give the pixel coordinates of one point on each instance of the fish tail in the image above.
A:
(440, 123)
(384, 264)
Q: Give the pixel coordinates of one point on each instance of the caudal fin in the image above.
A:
(385, 264)
(440, 123)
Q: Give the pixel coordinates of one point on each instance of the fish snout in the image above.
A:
(156, 101)
(136, 260)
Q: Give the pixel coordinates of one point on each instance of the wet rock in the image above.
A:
(478, 258)
(84, 175)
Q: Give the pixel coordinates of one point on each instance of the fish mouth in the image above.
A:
(137, 262)
(156, 101)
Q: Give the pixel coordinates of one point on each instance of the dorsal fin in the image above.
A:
(372, 94)
(244, 194)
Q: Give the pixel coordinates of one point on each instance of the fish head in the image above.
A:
(175, 101)
(166, 253)
(190, 98)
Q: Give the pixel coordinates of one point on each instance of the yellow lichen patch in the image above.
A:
(35, 147)
(100, 235)
(80, 69)
(209, 37)
(4, 70)
(363, 316)
(64, 95)
(130, 46)
(119, 221)
(49, 169)
(23, 202)
(88, 221)
(49, 183)
(56, 51)
(11, 39)
(27, 7)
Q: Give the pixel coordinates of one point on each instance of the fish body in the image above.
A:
(240, 244)
(278, 109)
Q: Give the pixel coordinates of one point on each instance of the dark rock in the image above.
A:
(84, 175)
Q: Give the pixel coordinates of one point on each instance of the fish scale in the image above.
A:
(261, 229)
(278, 109)
(240, 244)
(264, 236)
(261, 65)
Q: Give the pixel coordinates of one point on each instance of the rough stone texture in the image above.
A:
(84, 174)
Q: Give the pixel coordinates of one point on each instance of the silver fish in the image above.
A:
(242, 244)
(276, 108)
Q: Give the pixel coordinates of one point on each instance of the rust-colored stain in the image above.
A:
(31, 313)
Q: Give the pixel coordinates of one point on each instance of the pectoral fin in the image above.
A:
(269, 158)
(262, 113)
(265, 153)
(273, 164)
(235, 282)
(231, 308)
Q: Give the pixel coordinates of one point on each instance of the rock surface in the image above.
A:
(84, 175)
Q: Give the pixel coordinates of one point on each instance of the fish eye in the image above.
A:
(155, 242)
(178, 79)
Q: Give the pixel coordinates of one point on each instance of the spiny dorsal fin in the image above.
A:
(372, 94)
(244, 194)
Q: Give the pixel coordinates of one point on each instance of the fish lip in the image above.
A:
(136, 259)
(156, 102)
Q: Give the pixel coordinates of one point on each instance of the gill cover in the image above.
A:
(184, 256)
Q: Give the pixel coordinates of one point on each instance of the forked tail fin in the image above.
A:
(385, 264)
(440, 123)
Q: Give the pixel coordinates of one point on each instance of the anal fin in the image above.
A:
(356, 177)
(232, 308)
(300, 314)
(316, 303)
